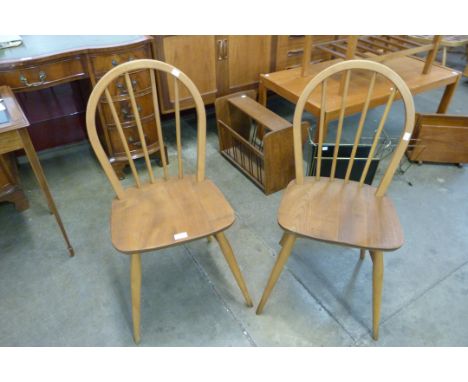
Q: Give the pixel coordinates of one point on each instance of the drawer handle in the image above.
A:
(123, 89)
(135, 142)
(126, 113)
(114, 62)
(295, 52)
(42, 79)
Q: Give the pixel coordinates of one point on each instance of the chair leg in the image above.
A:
(288, 243)
(231, 260)
(377, 282)
(362, 254)
(444, 55)
(283, 238)
(135, 285)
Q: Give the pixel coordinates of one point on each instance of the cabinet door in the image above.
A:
(195, 56)
(244, 59)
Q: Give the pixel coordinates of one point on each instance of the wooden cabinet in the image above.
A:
(244, 58)
(196, 57)
(217, 65)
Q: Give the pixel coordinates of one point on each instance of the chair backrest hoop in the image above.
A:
(131, 66)
(371, 66)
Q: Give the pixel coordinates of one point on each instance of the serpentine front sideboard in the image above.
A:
(52, 78)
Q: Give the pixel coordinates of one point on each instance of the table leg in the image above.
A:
(38, 172)
(262, 94)
(262, 100)
(447, 96)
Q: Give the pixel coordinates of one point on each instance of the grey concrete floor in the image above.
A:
(189, 297)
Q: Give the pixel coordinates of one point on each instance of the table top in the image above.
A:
(14, 114)
(38, 46)
(289, 84)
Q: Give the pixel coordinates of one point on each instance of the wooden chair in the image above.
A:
(342, 211)
(162, 212)
(374, 48)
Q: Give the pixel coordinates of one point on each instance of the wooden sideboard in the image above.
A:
(52, 77)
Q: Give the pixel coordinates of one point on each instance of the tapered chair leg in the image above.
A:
(377, 282)
(288, 243)
(283, 238)
(231, 260)
(135, 285)
(362, 254)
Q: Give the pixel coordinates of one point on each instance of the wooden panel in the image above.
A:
(195, 56)
(10, 141)
(10, 190)
(247, 57)
(440, 138)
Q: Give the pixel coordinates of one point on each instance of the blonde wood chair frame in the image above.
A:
(139, 218)
(331, 202)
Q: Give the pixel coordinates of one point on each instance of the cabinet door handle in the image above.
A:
(220, 44)
(42, 79)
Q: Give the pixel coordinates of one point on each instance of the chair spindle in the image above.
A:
(388, 106)
(321, 127)
(362, 120)
(139, 127)
(122, 138)
(177, 120)
(157, 118)
(339, 130)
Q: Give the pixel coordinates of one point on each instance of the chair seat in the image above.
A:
(168, 212)
(340, 213)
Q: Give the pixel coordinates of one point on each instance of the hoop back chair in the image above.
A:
(166, 211)
(343, 211)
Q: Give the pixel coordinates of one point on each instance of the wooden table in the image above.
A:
(289, 84)
(14, 136)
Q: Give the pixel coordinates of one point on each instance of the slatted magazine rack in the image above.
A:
(256, 140)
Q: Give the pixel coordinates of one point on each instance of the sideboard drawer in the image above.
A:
(140, 79)
(102, 63)
(133, 138)
(43, 75)
(124, 109)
